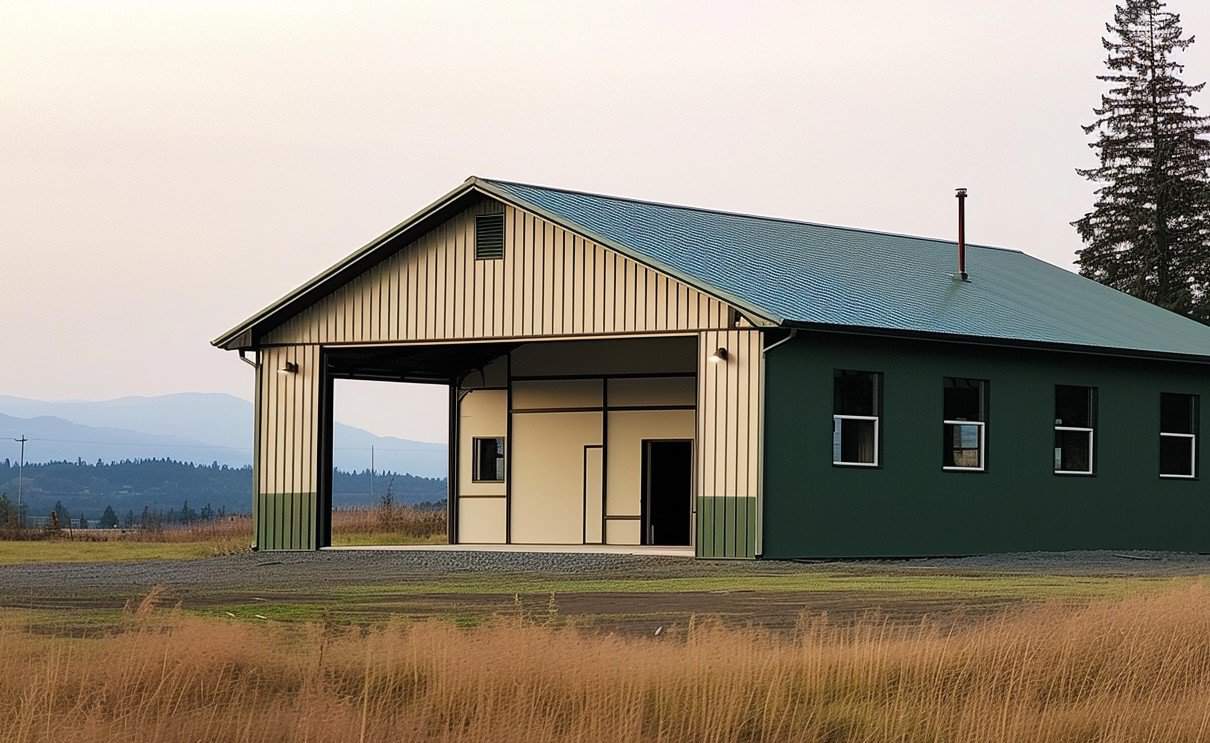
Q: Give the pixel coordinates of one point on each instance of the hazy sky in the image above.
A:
(169, 168)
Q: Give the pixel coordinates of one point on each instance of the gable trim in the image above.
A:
(245, 334)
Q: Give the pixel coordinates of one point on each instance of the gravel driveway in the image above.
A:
(292, 569)
(369, 585)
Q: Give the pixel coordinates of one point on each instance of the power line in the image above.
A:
(20, 477)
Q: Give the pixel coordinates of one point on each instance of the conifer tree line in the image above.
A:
(154, 491)
(1148, 233)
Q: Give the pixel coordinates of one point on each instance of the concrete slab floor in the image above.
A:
(567, 549)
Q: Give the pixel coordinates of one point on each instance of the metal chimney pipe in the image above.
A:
(960, 193)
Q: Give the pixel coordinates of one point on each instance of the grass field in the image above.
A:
(230, 535)
(72, 550)
(1134, 668)
(446, 646)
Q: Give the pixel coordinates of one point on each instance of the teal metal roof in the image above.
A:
(799, 273)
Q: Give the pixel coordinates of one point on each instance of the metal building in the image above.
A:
(628, 373)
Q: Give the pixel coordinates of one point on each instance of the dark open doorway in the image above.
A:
(667, 492)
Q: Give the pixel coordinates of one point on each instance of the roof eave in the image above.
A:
(979, 340)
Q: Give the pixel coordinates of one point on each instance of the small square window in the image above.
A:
(1073, 406)
(855, 393)
(1177, 413)
(1073, 452)
(489, 236)
(854, 441)
(856, 409)
(488, 463)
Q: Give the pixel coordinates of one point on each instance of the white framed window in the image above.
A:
(487, 464)
(1075, 430)
(1178, 435)
(856, 414)
(964, 425)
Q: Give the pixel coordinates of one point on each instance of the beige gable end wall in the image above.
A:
(550, 282)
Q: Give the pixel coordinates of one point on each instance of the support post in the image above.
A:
(451, 477)
(323, 497)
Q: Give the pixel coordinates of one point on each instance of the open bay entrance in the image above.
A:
(390, 490)
(667, 492)
(550, 441)
(389, 461)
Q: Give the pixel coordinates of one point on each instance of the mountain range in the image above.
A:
(188, 427)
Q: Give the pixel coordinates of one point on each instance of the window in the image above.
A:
(488, 465)
(489, 236)
(964, 419)
(1178, 435)
(856, 407)
(1075, 421)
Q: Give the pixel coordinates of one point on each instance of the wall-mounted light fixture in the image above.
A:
(719, 356)
(289, 367)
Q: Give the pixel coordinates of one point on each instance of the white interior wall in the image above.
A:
(481, 505)
(560, 466)
(548, 482)
(627, 431)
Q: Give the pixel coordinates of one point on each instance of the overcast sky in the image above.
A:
(169, 168)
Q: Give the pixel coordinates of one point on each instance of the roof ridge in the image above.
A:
(745, 215)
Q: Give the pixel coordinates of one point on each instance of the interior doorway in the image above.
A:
(667, 492)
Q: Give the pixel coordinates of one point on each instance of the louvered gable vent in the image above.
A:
(489, 236)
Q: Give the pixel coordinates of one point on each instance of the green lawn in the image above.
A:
(1007, 586)
(67, 550)
(63, 550)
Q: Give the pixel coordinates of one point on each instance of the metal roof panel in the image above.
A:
(825, 275)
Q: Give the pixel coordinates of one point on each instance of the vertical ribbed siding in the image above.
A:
(550, 282)
(287, 432)
(729, 447)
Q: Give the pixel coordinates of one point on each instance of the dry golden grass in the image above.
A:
(1135, 669)
(224, 536)
(382, 525)
(230, 535)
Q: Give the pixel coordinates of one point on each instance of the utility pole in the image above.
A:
(20, 475)
(371, 473)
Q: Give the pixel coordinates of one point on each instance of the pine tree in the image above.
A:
(1148, 233)
(109, 519)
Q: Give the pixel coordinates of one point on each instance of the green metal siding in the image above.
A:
(285, 521)
(726, 527)
(909, 506)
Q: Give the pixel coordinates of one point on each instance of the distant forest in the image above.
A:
(165, 485)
